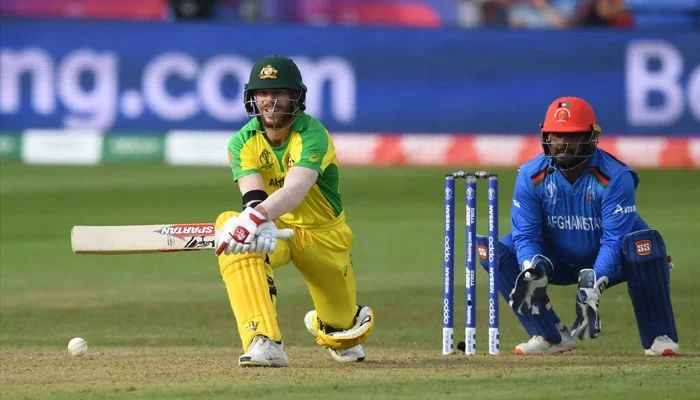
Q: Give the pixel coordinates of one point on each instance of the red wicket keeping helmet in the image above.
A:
(570, 115)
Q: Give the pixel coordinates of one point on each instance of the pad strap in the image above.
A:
(358, 333)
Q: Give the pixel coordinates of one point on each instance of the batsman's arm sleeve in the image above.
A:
(619, 213)
(296, 184)
(526, 218)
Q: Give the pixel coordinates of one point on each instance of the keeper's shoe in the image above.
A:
(264, 352)
(663, 346)
(538, 345)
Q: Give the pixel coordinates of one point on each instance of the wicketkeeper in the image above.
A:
(285, 165)
(574, 219)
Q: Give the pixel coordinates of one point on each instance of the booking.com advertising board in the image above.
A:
(155, 77)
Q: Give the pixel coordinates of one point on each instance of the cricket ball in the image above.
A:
(77, 347)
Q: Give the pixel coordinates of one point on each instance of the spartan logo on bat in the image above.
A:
(188, 230)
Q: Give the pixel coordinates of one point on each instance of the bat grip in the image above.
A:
(284, 233)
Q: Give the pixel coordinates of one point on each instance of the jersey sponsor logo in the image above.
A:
(620, 209)
(643, 247)
(574, 222)
(268, 72)
(265, 159)
(182, 231)
(276, 182)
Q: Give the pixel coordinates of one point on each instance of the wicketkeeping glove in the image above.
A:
(588, 324)
(531, 286)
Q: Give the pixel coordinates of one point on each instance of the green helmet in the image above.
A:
(274, 72)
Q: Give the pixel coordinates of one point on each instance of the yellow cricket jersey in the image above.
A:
(309, 145)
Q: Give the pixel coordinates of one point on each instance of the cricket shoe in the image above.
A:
(663, 346)
(351, 354)
(264, 352)
(538, 345)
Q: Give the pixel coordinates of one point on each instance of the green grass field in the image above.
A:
(159, 326)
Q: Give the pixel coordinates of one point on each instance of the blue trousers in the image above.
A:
(545, 323)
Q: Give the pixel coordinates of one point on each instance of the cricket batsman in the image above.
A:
(286, 168)
(574, 220)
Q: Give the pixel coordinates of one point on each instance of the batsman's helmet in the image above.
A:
(570, 115)
(274, 72)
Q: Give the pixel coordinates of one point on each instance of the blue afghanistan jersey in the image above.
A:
(583, 222)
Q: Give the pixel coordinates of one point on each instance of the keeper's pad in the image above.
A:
(251, 292)
(646, 266)
(358, 333)
(542, 324)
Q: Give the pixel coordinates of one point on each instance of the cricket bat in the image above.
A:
(134, 239)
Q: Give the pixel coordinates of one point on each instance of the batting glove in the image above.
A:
(225, 243)
(240, 230)
(265, 240)
(588, 324)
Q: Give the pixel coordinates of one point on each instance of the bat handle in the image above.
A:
(284, 233)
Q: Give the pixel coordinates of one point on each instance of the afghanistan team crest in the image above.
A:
(268, 72)
(562, 114)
